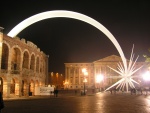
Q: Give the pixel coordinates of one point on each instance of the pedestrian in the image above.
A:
(56, 92)
(135, 91)
(1, 102)
(75, 92)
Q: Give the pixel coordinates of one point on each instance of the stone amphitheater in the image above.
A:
(23, 67)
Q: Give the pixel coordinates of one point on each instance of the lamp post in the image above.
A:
(146, 78)
(57, 84)
(85, 73)
(85, 80)
(99, 78)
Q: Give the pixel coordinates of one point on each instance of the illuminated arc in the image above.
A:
(67, 14)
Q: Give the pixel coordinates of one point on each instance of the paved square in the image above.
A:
(95, 103)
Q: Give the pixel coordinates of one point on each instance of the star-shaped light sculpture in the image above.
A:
(125, 74)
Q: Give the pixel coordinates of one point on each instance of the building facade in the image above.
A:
(56, 80)
(74, 76)
(23, 67)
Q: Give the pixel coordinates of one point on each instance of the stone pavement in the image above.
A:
(91, 103)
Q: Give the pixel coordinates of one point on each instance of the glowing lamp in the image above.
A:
(146, 76)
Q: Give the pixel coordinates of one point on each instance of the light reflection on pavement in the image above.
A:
(96, 103)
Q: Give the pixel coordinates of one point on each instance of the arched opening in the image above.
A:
(25, 60)
(37, 65)
(5, 54)
(24, 88)
(31, 88)
(15, 60)
(12, 86)
(1, 84)
(32, 63)
(41, 66)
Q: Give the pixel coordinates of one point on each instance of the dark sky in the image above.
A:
(69, 40)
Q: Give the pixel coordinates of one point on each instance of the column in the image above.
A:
(79, 76)
(68, 75)
(74, 76)
(7, 85)
(1, 43)
(9, 61)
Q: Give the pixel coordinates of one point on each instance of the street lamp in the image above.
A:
(84, 81)
(84, 71)
(99, 78)
(146, 76)
(57, 84)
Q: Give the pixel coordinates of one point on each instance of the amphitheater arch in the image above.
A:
(67, 14)
(5, 54)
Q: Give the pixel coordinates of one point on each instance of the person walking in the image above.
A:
(1, 102)
(56, 91)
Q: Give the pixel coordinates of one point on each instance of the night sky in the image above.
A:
(70, 41)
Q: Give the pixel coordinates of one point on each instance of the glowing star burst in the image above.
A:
(125, 74)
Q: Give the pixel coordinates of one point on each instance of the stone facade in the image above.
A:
(23, 67)
(74, 76)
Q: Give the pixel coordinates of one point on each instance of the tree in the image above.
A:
(147, 59)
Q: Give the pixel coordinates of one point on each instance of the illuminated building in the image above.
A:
(56, 80)
(23, 67)
(75, 77)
